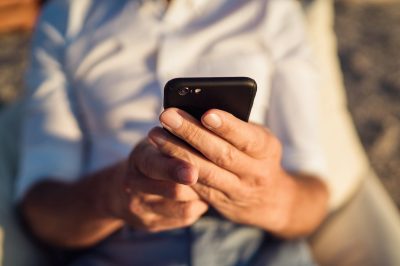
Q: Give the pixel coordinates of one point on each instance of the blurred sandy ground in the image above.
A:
(369, 49)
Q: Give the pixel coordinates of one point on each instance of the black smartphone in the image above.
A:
(198, 95)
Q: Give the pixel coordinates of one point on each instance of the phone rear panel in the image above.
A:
(198, 95)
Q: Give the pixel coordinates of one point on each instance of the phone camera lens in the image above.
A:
(183, 91)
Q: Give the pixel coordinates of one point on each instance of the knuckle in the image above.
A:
(177, 192)
(189, 212)
(211, 195)
(167, 148)
(136, 207)
(225, 199)
(190, 132)
(206, 193)
(227, 156)
(261, 180)
(210, 177)
(173, 150)
(177, 153)
(252, 146)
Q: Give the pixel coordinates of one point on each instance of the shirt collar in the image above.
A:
(181, 11)
(197, 5)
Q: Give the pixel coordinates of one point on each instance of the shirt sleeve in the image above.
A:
(294, 103)
(51, 136)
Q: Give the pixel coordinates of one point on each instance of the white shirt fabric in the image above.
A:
(98, 69)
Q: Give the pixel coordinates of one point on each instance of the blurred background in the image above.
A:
(369, 49)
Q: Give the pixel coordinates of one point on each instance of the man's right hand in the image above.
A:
(147, 198)
(138, 192)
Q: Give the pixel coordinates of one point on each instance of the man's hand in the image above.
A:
(149, 191)
(240, 173)
(153, 197)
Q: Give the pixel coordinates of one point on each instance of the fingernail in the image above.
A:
(212, 121)
(184, 175)
(171, 119)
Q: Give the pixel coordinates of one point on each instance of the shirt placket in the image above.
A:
(173, 53)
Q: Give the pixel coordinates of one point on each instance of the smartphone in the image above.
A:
(198, 95)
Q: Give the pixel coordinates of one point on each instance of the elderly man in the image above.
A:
(359, 207)
(97, 173)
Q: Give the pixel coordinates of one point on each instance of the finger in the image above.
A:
(247, 137)
(213, 147)
(165, 189)
(209, 174)
(171, 209)
(162, 213)
(211, 196)
(155, 165)
(170, 215)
